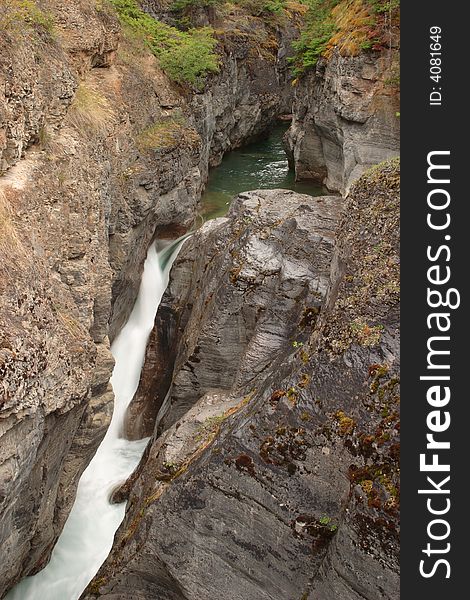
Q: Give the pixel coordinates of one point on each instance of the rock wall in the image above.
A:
(281, 480)
(87, 179)
(55, 287)
(355, 365)
(346, 118)
(230, 309)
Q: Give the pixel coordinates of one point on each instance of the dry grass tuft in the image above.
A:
(12, 252)
(90, 111)
(167, 134)
(294, 7)
(354, 23)
(9, 240)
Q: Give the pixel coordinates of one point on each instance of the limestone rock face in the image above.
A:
(253, 88)
(46, 364)
(345, 119)
(286, 484)
(282, 392)
(55, 291)
(39, 79)
(355, 368)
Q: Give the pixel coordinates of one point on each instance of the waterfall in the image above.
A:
(87, 537)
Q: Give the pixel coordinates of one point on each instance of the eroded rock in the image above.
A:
(293, 491)
(345, 118)
(232, 308)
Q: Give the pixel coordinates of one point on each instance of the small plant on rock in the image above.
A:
(16, 15)
(187, 57)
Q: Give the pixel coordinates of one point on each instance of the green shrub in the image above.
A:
(191, 58)
(319, 28)
(348, 25)
(259, 7)
(180, 5)
(254, 7)
(166, 134)
(383, 6)
(186, 56)
(16, 14)
(274, 6)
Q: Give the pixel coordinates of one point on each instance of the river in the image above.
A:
(88, 534)
(89, 531)
(258, 166)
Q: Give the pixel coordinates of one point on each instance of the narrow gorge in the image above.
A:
(242, 441)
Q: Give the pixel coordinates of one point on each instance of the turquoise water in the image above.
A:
(262, 165)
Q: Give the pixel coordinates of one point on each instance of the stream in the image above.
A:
(258, 166)
(88, 534)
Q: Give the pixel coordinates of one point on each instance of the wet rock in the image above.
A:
(357, 345)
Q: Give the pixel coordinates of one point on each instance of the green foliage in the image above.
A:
(275, 6)
(191, 58)
(181, 5)
(366, 44)
(318, 30)
(15, 15)
(253, 7)
(383, 6)
(327, 522)
(348, 25)
(186, 56)
(259, 7)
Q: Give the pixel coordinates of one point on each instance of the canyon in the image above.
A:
(269, 389)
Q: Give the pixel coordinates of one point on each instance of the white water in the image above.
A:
(89, 531)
